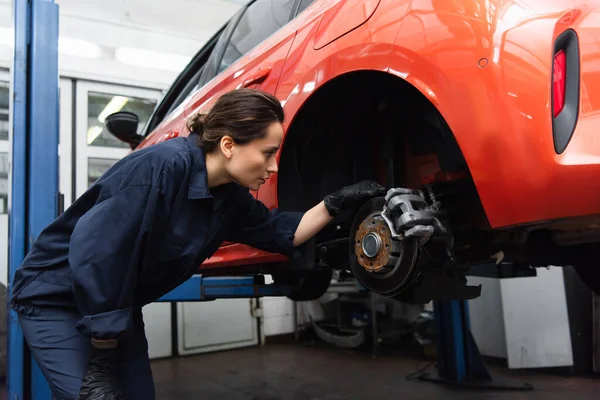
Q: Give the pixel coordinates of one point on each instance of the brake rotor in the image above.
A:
(382, 264)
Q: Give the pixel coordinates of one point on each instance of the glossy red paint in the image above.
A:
(501, 114)
(340, 18)
(485, 65)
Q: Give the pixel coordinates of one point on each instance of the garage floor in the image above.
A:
(290, 371)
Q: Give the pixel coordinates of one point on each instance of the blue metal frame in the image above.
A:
(201, 288)
(34, 177)
(459, 361)
(17, 208)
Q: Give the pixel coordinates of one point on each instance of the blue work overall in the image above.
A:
(138, 232)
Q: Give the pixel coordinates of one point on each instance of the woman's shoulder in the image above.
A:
(150, 165)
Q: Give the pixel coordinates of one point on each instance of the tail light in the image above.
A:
(558, 82)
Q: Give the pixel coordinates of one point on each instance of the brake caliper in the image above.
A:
(407, 214)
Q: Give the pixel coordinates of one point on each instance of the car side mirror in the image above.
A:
(123, 125)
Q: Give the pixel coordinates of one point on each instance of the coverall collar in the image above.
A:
(199, 181)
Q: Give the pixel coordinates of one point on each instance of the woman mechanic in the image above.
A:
(141, 230)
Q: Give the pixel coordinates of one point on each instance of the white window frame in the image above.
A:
(65, 139)
(5, 77)
(5, 145)
(83, 151)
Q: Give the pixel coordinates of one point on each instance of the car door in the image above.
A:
(254, 53)
(251, 54)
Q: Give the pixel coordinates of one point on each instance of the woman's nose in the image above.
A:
(272, 167)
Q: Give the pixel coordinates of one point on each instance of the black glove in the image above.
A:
(101, 381)
(351, 196)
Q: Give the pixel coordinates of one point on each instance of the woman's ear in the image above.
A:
(227, 144)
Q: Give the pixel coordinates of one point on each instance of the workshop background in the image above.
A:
(122, 55)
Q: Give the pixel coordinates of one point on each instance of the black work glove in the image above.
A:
(101, 381)
(352, 196)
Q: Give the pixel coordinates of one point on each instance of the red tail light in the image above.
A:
(558, 82)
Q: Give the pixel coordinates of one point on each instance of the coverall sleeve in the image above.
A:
(105, 255)
(270, 230)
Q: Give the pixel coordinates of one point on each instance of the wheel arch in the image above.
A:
(299, 126)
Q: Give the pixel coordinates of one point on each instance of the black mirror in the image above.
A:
(123, 125)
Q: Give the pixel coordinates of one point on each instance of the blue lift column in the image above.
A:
(34, 166)
(459, 362)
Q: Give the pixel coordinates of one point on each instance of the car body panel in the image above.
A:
(500, 113)
(485, 65)
(340, 17)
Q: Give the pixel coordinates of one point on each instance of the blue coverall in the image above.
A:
(141, 230)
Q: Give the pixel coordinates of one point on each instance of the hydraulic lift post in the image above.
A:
(34, 166)
(459, 361)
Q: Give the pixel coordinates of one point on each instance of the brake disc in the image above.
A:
(382, 263)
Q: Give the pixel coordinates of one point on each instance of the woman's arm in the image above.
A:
(311, 223)
(284, 232)
(320, 215)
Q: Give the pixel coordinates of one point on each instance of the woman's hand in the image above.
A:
(352, 196)
(101, 381)
(320, 215)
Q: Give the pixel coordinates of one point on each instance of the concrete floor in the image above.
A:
(301, 372)
(290, 371)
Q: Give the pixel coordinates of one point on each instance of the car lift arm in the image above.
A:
(200, 288)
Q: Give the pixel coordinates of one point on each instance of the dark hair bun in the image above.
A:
(197, 123)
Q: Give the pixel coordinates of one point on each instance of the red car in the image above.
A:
(486, 112)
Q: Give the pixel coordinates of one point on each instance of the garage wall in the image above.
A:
(278, 316)
(487, 318)
(524, 320)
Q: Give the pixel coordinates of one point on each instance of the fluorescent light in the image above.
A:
(152, 59)
(74, 47)
(93, 132)
(7, 36)
(79, 48)
(114, 105)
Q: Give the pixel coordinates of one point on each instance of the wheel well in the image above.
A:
(348, 130)
(370, 125)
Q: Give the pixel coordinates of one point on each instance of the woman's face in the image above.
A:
(251, 164)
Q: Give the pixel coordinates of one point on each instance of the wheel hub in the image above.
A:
(373, 244)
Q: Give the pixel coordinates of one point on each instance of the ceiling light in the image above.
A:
(151, 59)
(7, 36)
(93, 132)
(113, 106)
(79, 48)
(74, 47)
